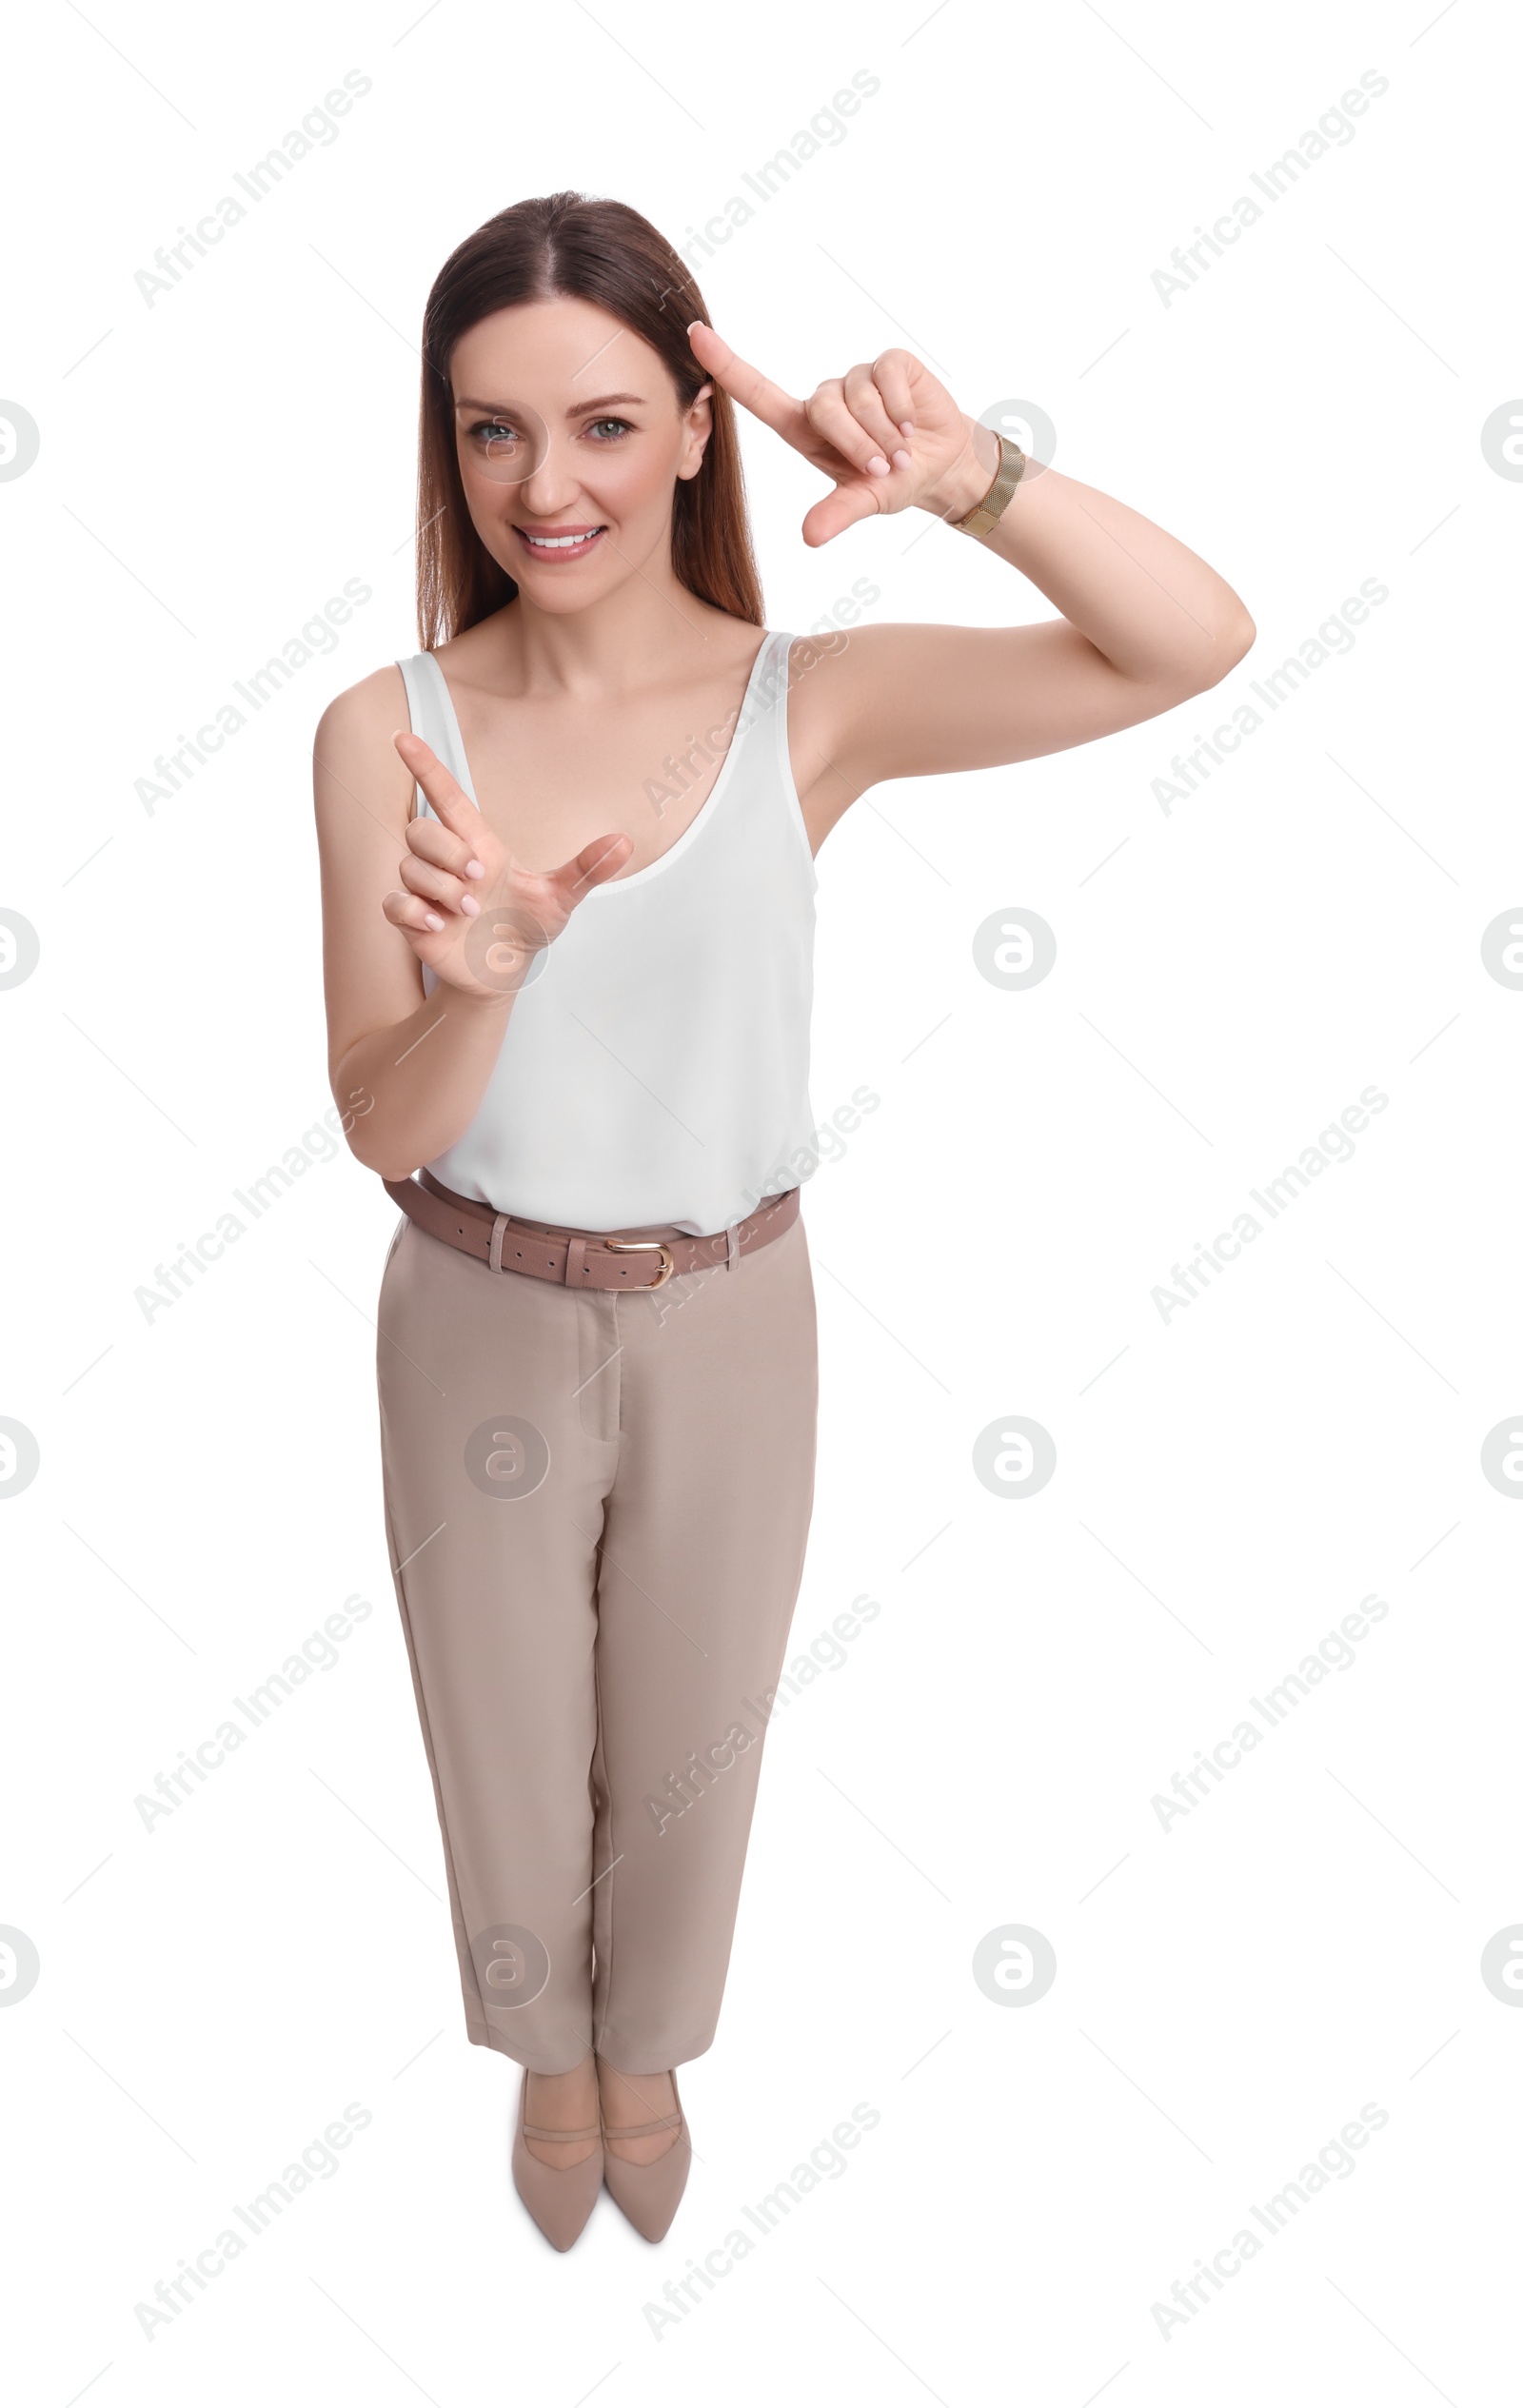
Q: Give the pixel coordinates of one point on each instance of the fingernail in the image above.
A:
(902, 460)
(431, 919)
(878, 465)
(475, 869)
(469, 906)
(906, 425)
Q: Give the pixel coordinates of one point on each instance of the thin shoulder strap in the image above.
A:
(431, 715)
(777, 671)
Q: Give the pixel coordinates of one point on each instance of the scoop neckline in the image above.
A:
(700, 819)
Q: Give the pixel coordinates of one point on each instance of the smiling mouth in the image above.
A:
(560, 543)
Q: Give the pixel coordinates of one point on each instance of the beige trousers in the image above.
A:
(597, 1505)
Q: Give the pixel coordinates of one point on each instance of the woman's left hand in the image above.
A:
(887, 432)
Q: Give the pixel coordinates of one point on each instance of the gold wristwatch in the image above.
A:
(1012, 464)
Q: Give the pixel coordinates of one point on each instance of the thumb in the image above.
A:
(593, 866)
(852, 500)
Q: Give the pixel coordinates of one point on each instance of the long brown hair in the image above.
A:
(606, 253)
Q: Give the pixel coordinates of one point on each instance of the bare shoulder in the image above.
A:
(352, 752)
(835, 679)
(377, 703)
(814, 681)
(833, 675)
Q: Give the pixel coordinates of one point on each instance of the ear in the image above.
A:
(698, 422)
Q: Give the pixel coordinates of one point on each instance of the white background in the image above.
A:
(1230, 1483)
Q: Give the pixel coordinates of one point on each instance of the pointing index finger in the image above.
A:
(450, 800)
(747, 384)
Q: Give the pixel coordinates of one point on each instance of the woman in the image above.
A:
(585, 1011)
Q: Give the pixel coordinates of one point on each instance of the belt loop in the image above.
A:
(575, 1272)
(498, 1232)
(732, 1245)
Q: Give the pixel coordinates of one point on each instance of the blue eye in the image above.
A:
(621, 426)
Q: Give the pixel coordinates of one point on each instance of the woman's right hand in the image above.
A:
(472, 915)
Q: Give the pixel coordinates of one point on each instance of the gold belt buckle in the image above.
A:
(644, 1246)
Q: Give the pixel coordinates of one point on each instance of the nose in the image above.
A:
(552, 484)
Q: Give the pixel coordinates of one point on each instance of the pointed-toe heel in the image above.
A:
(560, 2198)
(648, 2195)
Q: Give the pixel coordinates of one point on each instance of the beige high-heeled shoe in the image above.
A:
(560, 2198)
(648, 2195)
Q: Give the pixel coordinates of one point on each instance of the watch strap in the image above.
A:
(980, 519)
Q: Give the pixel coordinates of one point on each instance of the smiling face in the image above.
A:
(570, 441)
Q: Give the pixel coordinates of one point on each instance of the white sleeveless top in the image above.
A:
(655, 1067)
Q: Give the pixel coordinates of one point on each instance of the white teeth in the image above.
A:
(557, 543)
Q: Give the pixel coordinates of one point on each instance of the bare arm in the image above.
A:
(1145, 624)
(408, 1071)
(1145, 621)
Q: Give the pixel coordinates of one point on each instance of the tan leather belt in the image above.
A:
(581, 1257)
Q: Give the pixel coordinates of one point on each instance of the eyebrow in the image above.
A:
(577, 409)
